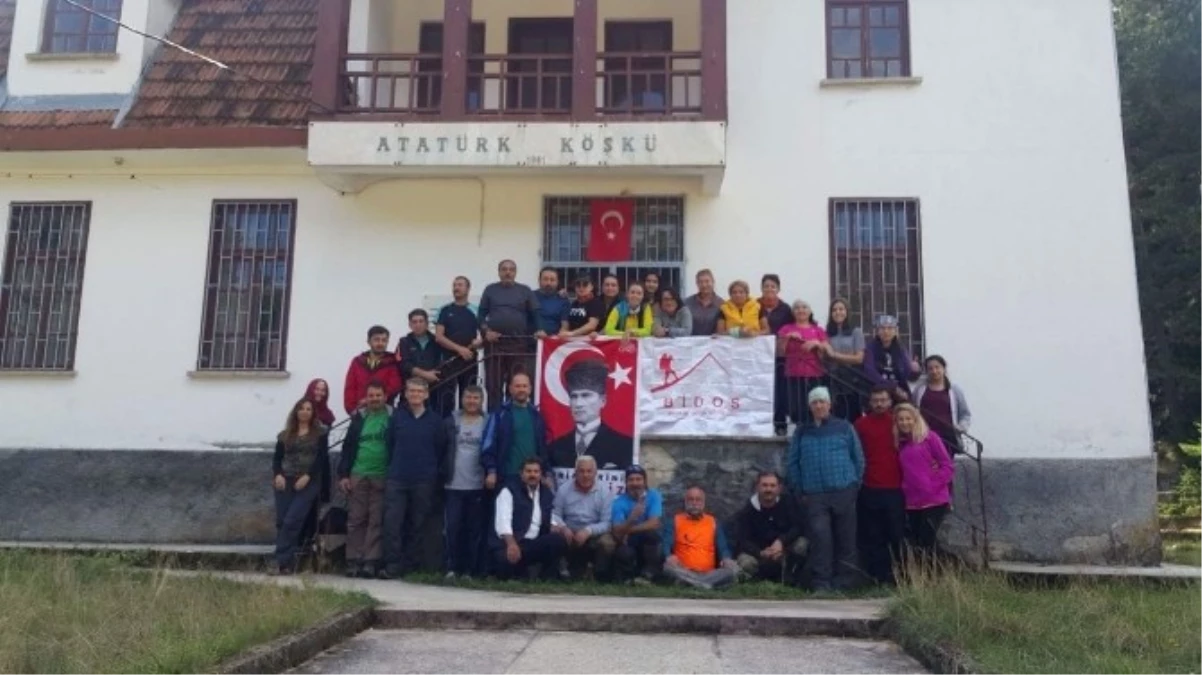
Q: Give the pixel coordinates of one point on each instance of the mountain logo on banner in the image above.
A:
(671, 378)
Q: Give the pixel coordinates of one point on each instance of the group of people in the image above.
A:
(887, 471)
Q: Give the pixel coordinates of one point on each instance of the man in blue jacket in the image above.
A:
(417, 444)
(515, 432)
(825, 465)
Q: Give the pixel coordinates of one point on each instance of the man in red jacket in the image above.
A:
(881, 508)
(378, 364)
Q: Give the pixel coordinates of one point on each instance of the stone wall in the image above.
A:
(1039, 510)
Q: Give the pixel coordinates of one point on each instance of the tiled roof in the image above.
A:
(56, 119)
(269, 40)
(7, 9)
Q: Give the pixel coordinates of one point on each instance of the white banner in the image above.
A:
(701, 386)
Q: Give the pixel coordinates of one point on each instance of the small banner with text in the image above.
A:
(701, 386)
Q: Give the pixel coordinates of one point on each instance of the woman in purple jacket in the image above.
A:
(927, 473)
(886, 361)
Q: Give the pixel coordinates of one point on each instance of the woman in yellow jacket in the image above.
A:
(740, 315)
(631, 317)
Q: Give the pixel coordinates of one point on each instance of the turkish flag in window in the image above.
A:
(610, 224)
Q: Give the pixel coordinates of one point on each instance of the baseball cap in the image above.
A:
(636, 469)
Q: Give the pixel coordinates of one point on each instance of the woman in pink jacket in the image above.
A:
(927, 473)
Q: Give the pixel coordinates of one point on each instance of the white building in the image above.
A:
(957, 163)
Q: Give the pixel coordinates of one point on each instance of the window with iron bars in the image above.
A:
(657, 241)
(876, 263)
(71, 30)
(42, 283)
(248, 286)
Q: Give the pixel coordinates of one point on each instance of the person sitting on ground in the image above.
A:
(637, 519)
(296, 469)
(420, 356)
(880, 506)
(465, 500)
(587, 313)
(521, 540)
(771, 545)
(515, 432)
(943, 404)
(374, 364)
(672, 318)
(417, 445)
(695, 549)
(582, 516)
(886, 361)
(927, 473)
(362, 470)
(740, 315)
(825, 465)
(632, 317)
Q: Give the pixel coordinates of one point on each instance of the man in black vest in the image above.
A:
(522, 536)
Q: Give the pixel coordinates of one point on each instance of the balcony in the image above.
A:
(421, 85)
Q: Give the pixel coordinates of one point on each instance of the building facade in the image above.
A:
(187, 246)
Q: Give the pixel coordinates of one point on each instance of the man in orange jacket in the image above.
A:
(695, 549)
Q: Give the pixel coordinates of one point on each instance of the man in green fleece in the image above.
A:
(361, 474)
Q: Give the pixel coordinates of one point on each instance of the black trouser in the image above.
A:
(832, 521)
(464, 529)
(407, 510)
(598, 550)
(503, 358)
(923, 526)
(292, 507)
(545, 551)
(780, 398)
(881, 529)
(641, 553)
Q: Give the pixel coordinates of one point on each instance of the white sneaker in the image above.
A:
(450, 576)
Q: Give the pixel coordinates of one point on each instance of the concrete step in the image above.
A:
(192, 556)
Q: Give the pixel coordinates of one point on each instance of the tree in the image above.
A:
(1159, 54)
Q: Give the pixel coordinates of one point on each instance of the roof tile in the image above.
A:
(268, 43)
(56, 119)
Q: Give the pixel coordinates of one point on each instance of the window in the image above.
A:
(430, 74)
(867, 38)
(71, 30)
(637, 82)
(657, 241)
(876, 263)
(248, 286)
(42, 283)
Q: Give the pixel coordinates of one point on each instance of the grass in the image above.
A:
(74, 614)
(1079, 626)
(1183, 551)
(758, 590)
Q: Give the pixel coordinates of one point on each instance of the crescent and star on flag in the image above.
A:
(554, 369)
(612, 214)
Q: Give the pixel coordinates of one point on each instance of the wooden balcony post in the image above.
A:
(584, 60)
(329, 51)
(456, 22)
(713, 59)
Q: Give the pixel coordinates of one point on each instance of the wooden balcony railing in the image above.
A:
(523, 85)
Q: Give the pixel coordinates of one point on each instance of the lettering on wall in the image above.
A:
(507, 149)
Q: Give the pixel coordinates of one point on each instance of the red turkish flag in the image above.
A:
(609, 233)
(580, 418)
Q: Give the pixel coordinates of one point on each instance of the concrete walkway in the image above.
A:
(1164, 571)
(416, 606)
(418, 651)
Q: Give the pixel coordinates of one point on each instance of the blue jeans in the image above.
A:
(464, 529)
(292, 508)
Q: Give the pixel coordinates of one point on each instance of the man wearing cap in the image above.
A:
(586, 315)
(585, 382)
(637, 513)
(582, 514)
(825, 465)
